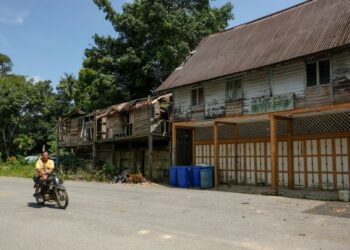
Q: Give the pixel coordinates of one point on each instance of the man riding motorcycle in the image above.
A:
(44, 167)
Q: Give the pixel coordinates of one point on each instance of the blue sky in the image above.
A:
(47, 38)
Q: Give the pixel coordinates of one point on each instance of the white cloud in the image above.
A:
(12, 16)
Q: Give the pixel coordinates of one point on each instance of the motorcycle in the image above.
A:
(52, 190)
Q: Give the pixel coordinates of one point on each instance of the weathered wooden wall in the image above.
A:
(290, 78)
(115, 123)
(281, 79)
(182, 103)
(141, 122)
(214, 101)
(104, 153)
(341, 77)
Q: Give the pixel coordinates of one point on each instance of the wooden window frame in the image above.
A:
(233, 81)
(317, 62)
(197, 104)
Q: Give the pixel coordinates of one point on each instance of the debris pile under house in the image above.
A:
(124, 177)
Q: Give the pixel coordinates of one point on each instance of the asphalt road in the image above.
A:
(119, 216)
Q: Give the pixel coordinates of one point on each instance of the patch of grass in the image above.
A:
(20, 169)
(17, 170)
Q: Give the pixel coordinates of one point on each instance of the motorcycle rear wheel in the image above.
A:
(62, 198)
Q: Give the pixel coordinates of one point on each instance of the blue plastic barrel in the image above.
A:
(184, 176)
(207, 174)
(196, 176)
(173, 176)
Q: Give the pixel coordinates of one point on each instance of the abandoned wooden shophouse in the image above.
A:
(133, 136)
(268, 102)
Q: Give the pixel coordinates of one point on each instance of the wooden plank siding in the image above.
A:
(116, 124)
(280, 79)
(318, 95)
(182, 103)
(341, 77)
(214, 100)
(141, 122)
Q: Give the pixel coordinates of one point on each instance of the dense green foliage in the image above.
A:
(153, 37)
(29, 112)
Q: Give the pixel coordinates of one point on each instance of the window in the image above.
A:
(234, 89)
(197, 96)
(318, 73)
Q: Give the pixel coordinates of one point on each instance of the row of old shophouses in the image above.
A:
(265, 103)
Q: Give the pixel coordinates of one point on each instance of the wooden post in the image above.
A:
(334, 161)
(290, 154)
(319, 164)
(94, 138)
(150, 154)
(245, 163)
(235, 136)
(173, 138)
(216, 151)
(226, 162)
(255, 163)
(306, 180)
(113, 155)
(348, 162)
(193, 146)
(274, 159)
(150, 139)
(265, 162)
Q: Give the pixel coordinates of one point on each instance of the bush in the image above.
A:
(71, 163)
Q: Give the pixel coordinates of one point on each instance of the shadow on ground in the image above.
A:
(36, 205)
(337, 209)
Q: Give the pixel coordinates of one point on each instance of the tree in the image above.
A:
(28, 114)
(41, 114)
(13, 104)
(66, 86)
(66, 91)
(5, 64)
(24, 143)
(153, 37)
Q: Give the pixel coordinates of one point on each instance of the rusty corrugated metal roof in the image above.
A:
(131, 105)
(304, 29)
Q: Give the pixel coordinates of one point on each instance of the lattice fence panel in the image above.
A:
(254, 129)
(321, 123)
(226, 132)
(282, 128)
(204, 134)
(207, 133)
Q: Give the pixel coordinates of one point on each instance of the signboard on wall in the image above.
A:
(271, 104)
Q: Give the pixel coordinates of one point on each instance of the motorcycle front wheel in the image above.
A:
(62, 198)
(40, 200)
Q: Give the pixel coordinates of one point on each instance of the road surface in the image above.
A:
(124, 216)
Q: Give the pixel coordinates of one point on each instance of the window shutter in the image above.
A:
(311, 77)
(324, 69)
